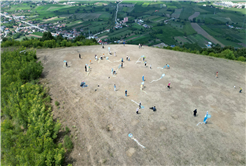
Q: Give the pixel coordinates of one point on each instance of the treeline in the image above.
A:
(227, 52)
(28, 130)
(48, 41)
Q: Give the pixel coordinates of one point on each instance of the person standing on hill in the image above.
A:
(79, 56)
(139, 46)
(240, 91)
(217, 74)
(137, 111)
(114, 87)
(195, 111)
(140, 105)
(85, 68)
(143, 78)
(125, 92)
(168, 85)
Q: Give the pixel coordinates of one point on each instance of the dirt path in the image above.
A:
(201, 31)
(104, 118)
(196, 14)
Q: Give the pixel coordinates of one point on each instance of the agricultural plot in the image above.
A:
(181, 39)
(188, 29)
(154, 12)
(199, 39)
(177, 25)
(199, 30)
(74, 23)
(196, 14)
(187, 12)
(177, 13)
(119, 33)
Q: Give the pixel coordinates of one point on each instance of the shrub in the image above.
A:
(227, 54)
(241, 58)
(57, 103)
(213, 54)
(23, 105)
(204, 53)
(68, 144)
(67, 130)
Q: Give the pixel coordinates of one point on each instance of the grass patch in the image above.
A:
(57, 103)
(68, 144)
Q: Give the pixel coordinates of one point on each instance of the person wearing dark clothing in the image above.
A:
(114, 72)
(153, 108)
(79, 56)
(66, 64)
(195, 111)
(140, 105)
(240, 91)
(121, 64)
(125, 92)
(85, 68)
(145, 64)
(137, 111)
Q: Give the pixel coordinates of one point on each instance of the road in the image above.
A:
(117, 12)
(32, 25)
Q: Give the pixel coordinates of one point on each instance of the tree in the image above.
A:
(5, 39)
(227, 54)
(47, 36)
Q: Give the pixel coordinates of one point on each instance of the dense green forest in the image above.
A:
(28, 131)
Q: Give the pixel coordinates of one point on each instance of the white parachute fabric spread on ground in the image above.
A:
(159, 78)
(131, 136)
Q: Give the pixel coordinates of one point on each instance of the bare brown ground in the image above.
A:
(201, 31)
(196, 14)
(52, 18)
(35, 36)
(103, 118)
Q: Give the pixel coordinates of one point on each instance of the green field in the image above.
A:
(94, 16)
(38, 33)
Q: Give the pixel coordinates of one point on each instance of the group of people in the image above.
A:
(142, 85)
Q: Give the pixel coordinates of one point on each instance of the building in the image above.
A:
(125, 19)
(2, 28)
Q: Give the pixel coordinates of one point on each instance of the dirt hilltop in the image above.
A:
(102, 119)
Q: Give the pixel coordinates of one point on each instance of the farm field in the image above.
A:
(103, 118)
(90, 18)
